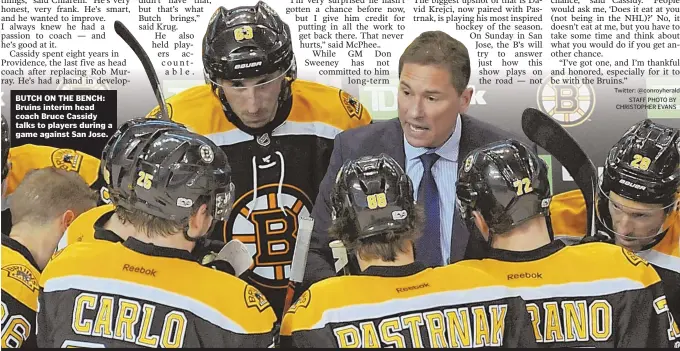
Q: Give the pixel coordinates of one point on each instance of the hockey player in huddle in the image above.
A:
(636, 203)
(396, 301)
(169, 188)
(588, 295)
(19, 160)
(102, 222)
(41, 213)
(277, 131)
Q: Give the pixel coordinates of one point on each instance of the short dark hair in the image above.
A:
(439, 48)
(46, 193)
(384, 246)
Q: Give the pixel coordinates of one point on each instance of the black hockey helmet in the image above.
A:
(375, 194)
(6, 144)
(506, 182)
(161, 168)
(247, 42)
(129, 135)
(643, 167)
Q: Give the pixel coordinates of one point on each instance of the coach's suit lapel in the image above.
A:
(390, 141)
(394, 135)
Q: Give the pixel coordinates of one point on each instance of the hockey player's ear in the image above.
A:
(200, 222)
(66, 219)
(481, 224)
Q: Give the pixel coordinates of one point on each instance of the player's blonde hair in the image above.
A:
(47, 193)
(153, 226)
(385, 246)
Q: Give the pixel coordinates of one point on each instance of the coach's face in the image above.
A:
(429, 104)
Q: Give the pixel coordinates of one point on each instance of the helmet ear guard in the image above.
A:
(466, 200)
(221, 208)
(405, 187)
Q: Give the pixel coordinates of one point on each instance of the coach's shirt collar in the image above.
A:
(447, 151)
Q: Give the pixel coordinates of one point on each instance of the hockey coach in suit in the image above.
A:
(428, 139)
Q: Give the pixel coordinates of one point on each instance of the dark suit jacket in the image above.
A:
(387, 137)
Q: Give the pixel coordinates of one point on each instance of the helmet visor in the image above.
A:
(256, 85)
(634, 224)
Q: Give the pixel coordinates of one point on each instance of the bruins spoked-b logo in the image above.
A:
(566, 100)
(207, 154)
(352, 106)
(301, 302)
(67, 159)
(633, 258)
(23, 274)
(254, 298)
(270, 230)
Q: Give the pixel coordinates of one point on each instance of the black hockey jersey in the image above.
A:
(105, 294)
(586, 295)
(92, 225)
(568, 219)
(20, 275)
(276, 174)
(408, 307)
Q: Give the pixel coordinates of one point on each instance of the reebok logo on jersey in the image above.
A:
(414, 287)
(525, 275)
(142, 270)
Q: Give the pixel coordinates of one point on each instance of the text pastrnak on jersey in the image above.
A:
(277, 174)
(586, 295)
(28, 157)
(138, 294)
(568, 217)
(20, 276)
(408, 307)
(83, 227)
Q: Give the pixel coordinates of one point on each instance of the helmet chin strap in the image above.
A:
(189, 238)
(196, 239)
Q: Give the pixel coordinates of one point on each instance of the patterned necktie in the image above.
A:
(428, 247)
